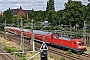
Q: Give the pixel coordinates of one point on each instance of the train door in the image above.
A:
(74, 44)
(55, 40)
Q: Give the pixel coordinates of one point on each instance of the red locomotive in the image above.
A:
(76, 44)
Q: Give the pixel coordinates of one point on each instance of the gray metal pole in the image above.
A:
(18, 24)
(84, 25)
(70, 29)
(60, 22)
(22, 39)
(32, 38)
(85, 30)
(5, 30)
(5, 23)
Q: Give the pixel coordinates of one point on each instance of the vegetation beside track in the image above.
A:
(88, 49)
(11, 46)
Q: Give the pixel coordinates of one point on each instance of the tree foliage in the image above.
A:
(37, 15)
(52, 17)
(50, 5)
(1, 19)
(7, 15)
(74, 12)
(89, 0)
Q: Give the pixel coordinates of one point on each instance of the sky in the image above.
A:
(35, 4)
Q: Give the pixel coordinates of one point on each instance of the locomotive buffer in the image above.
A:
(43, 53)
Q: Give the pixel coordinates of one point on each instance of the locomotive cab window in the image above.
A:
(56, 36)
(80, 43)
(74, 42)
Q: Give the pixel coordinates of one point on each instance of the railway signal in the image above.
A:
(43, 54)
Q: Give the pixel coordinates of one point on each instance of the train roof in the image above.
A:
(9, 27)
(35, 31)
(26, 30)
(64, 38)
(17, 28)
(41, 32)
(13, 28)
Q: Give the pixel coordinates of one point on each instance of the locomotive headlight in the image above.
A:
(79, 46)
(84, 47)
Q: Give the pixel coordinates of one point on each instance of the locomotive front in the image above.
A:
(81, 45)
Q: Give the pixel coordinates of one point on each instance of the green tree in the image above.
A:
(52, 17)
(74, 12)
(1, 19)
(40, 15)
(15, 20)
(87, 9)
(50, 5)
(89, 0)
(60, 16)
(7, 15)
(37, 15)
(31, 14)
(69, 0)
(88, 6)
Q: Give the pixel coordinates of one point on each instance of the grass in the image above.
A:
(88, 48)
(11, 46)
(62, 58)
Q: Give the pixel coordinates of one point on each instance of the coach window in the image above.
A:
(57, 36)
(74, 42)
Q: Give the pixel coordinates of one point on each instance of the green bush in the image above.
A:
(1, 28)
(69, 52)
(12, 49)
(9, 49)
(62, 58)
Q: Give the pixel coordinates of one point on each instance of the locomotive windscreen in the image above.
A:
(80, 43)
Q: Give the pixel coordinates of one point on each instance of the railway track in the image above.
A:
(6, 56)
(65, 55)
(56, 52)
(87, 55)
